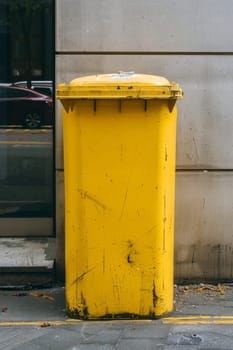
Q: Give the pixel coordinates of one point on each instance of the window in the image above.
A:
(16, 93)
(26, 123)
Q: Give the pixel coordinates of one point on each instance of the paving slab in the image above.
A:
(202, 337)
(34, 305)
(203, 299)
(36, 320)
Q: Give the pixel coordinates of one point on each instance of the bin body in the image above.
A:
(119, 156)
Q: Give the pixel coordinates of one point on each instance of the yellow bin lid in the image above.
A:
(122, 85)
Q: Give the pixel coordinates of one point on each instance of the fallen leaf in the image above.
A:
(221, 289)
(45, 324)
(41, 295)
(36, 294)
(48, 297)
(200, 289)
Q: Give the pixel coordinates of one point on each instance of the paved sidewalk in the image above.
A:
(36, 320)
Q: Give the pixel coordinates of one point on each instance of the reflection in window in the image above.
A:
(26, 36)
(9, 92)
(26, 108)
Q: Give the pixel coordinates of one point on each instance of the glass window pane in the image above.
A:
(16, 93)
(26, 112)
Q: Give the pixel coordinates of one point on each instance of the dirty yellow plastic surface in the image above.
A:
(119, 198)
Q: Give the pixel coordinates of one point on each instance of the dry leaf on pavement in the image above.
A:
(45, 324)
(48, 297)
(219, 288)
(41, 295)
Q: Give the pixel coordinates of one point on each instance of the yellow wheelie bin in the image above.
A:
(119, 166)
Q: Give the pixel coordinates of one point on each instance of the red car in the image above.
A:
(44, 87)
(24, 107)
